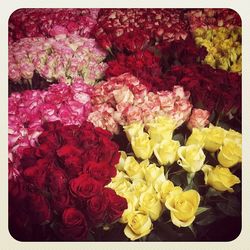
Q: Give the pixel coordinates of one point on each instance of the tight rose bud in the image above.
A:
(166, 151)
(191, 158)
(220, 178)
(142, 146)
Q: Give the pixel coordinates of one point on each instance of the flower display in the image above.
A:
(51, 22)
(122, 100)
(213, 18)
(64, 59)
(223, 46)
(212, 90)
(124, 125)
(30, 109)
(64, 187)
(136, 29)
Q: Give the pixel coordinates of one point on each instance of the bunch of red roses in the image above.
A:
(213, 89)
(62, 186)
(142, 64)
(135, 29)
(212, 18)
(41, 22)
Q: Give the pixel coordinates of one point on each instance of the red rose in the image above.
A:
(68, 150)
(57, 180)
(97, 208)
(102, 172)
(61, 201)
(117, 204)
(73, 165)
(45, 150)
(38, 208)
(36, 175)
(85, 186)
(74, 225)
(28, 157)
(49, 137)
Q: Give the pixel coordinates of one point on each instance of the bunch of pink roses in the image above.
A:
(122, 100)
(63, 58)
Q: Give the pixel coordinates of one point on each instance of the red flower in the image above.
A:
(117, 204)
(97, 208)
(38, 208)
(74, 225)
(84, 186)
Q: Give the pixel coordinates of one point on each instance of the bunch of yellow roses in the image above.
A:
(223, 46)
(142, 177)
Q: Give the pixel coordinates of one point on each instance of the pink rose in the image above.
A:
(198, 119)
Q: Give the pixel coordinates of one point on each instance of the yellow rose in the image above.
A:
(139, 225)
(142, 146)
(197, 137)
(154, 175)
(139, 186)
(133, 168)
(161, 128)
(166, 151)
(120, 184)
(183, 207)
(134, 129)
(163, 189)
(191, 158)
(150, 203)
(234, 136)
(230, 154)
(214, 138)
(133, 204)
(220, 178)
(120, 164)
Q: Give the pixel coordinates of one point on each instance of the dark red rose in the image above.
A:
(61, 201)
(45, 150)
(73, 165)
(68, 150)
(101, 171)
(49, 137)
(38, 208)
(74, 225)
(97, 208)
(84, 186)
(36, 175)
(57, 180)
(17, 190)
(117, 204)
(28, 157)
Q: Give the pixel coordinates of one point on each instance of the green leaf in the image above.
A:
(201, 210)
(205, 220)
(212, 192)
(229, 208)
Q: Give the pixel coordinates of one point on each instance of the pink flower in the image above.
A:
(198, 119)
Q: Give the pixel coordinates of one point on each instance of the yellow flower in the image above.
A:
(166, 151)
(139, 225)
(133, 168)
(197, 137)
(214, 138)
(150, 203)
(161, 128)
(139, 186)
(191, 158)
(134, 129)
(230, 154)
(163, 189)
(120, 164)
(234, 136)
(120, 183)
(142, 146)
(154, 175)
(220, 178)
(133, 204)
(183, 207)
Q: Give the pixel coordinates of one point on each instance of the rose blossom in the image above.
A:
(198, 119)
